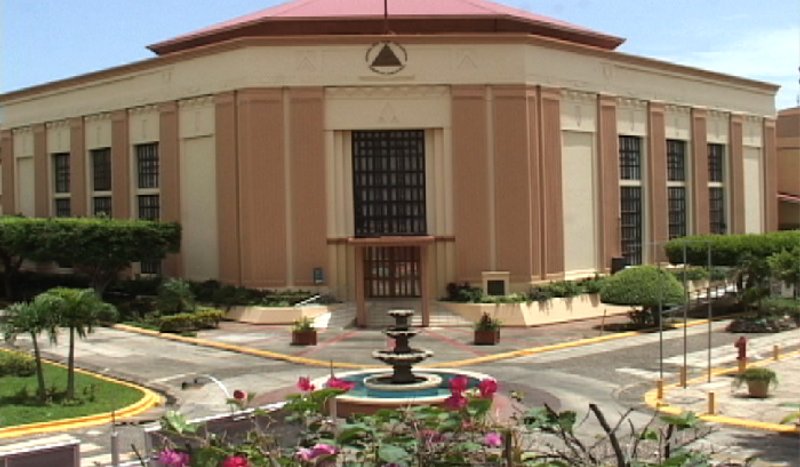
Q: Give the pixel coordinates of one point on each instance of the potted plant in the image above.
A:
(487, 330)
(303, 332)
(758, 381)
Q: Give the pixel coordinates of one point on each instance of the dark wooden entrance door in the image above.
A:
(392, 272)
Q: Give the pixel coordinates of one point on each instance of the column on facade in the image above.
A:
(170, 183)
(551, 196)
(700, 206)
(657, 181)
(262, 187)
(227, 154)
(7, 166)
(736, 179)
(120, 166)
(41, 170)
(608, 164)
(770, 176)
(77, 167)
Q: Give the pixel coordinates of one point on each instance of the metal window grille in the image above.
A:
(677, 211)
(676, 160)
(716, 204)
(149, 207)
(147, 165)
(102, 206)
(716, 158)
(101, 169)
(61, 172)
(631, 223)
(63, 207)
(150, 267)
(630, 157)
(389, 182)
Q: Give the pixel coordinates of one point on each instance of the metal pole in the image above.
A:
(685, 309)
(708, 297)
(386, 16)
(660, 329)
(114, 440)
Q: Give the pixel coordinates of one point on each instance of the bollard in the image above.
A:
(712, 403)
(660, 389)
(683, 377)
(776, 352)
(115, 448)
(742, 365)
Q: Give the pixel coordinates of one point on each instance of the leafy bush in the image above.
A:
(540, 294)
(141, 286)
(208, 318)
(693, 273)
(643, 287)
(175, 296)
(782, 307)
(487, 323)
(728, 250)
(13, 363)
(463, 293)
(592, 285)
(756, 374)
(185, 322)
(304, 324)
(225, 296)
(565, 289)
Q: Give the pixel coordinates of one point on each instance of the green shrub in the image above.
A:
(540, 294)
(13, 363)
(564, 289)
(463, 293)
(592, 285)
(175, 296)
(781, 306)
(693, 273)
(205, 318)
(208, 318)
(643, 287)
(729, 250)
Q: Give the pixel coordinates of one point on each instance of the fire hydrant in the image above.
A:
(741, 347)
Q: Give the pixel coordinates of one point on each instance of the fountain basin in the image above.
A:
(363, 399)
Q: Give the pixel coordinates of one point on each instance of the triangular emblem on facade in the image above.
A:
(386, 58)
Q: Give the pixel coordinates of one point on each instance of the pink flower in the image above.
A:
(304, 384)
(493, 440)
(303, 454)
(172, 458)
(319, 450)
(336, 383)
(456, 401)
(431, 436)
(487, 388)
(236, 461)
(240, 395)
(459, 384)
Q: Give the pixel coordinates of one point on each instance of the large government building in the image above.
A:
(315, 144)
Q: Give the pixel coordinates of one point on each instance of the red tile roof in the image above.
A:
(320, 17)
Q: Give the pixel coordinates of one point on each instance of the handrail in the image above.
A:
(307, 301)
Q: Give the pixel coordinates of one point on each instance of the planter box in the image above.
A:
(304, 337)
(491, 337)
(556, 310)
(275, 315)
(758, 389)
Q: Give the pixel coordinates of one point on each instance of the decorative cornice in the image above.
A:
(98, 117)
(631, 103)
(57, 124)
(387, 91)
(579, 96)
(678, 109)
(143, 109)
(22, 130)
(713, 113)
(200, 101)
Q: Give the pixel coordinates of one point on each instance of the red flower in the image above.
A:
(459, 384)
(336, 383)
(487, 387)
(304, 384)
(240, 395)
(456, 401)
(236, 461)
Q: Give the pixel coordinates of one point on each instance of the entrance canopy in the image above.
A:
(366, 17)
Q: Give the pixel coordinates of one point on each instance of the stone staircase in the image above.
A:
(344, 315)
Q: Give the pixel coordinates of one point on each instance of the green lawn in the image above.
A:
(18, 404)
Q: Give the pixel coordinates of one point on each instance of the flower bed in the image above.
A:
(275, 315)
(555, 310)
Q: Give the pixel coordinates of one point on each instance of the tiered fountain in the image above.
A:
(377, 389)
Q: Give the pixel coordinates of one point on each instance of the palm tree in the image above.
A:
(34, 318)
(80, 310)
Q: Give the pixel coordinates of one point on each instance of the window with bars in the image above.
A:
(716, 162)
(677, 211)
(101, 206)
(147, 165)
(716, 204)
(61, 173)
(676, 160)
(631, 223)
(389, 182)
(149, 207)
(63, 207)
(101, 169)
(630, 158)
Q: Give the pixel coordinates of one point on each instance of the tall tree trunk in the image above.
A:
(71, 365)
(41, 392)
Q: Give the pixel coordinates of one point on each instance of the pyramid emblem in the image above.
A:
(386, 58)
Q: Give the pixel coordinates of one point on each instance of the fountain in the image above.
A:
(378, 388)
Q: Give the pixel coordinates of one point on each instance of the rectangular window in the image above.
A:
(716, 204)
(389, 182)
(716, 162)
(677, 211)
(63, 208)
(630, 158)
(676, 160)
(101, 169)
(631, 223)
(149, 207)
(102, 206)
(61, 172)
(147, 165)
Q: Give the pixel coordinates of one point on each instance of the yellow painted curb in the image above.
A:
(651, 399)
(149, 400)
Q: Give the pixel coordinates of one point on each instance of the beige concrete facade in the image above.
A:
(787, 132)
(521, 160)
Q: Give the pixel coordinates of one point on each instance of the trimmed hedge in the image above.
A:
(207, 318)
(13, 363)
(642, 286)
(728, 250)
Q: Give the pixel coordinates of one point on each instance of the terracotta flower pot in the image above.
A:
(304, 337)
(490, 337)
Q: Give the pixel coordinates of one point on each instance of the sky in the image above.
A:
(47, 40)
